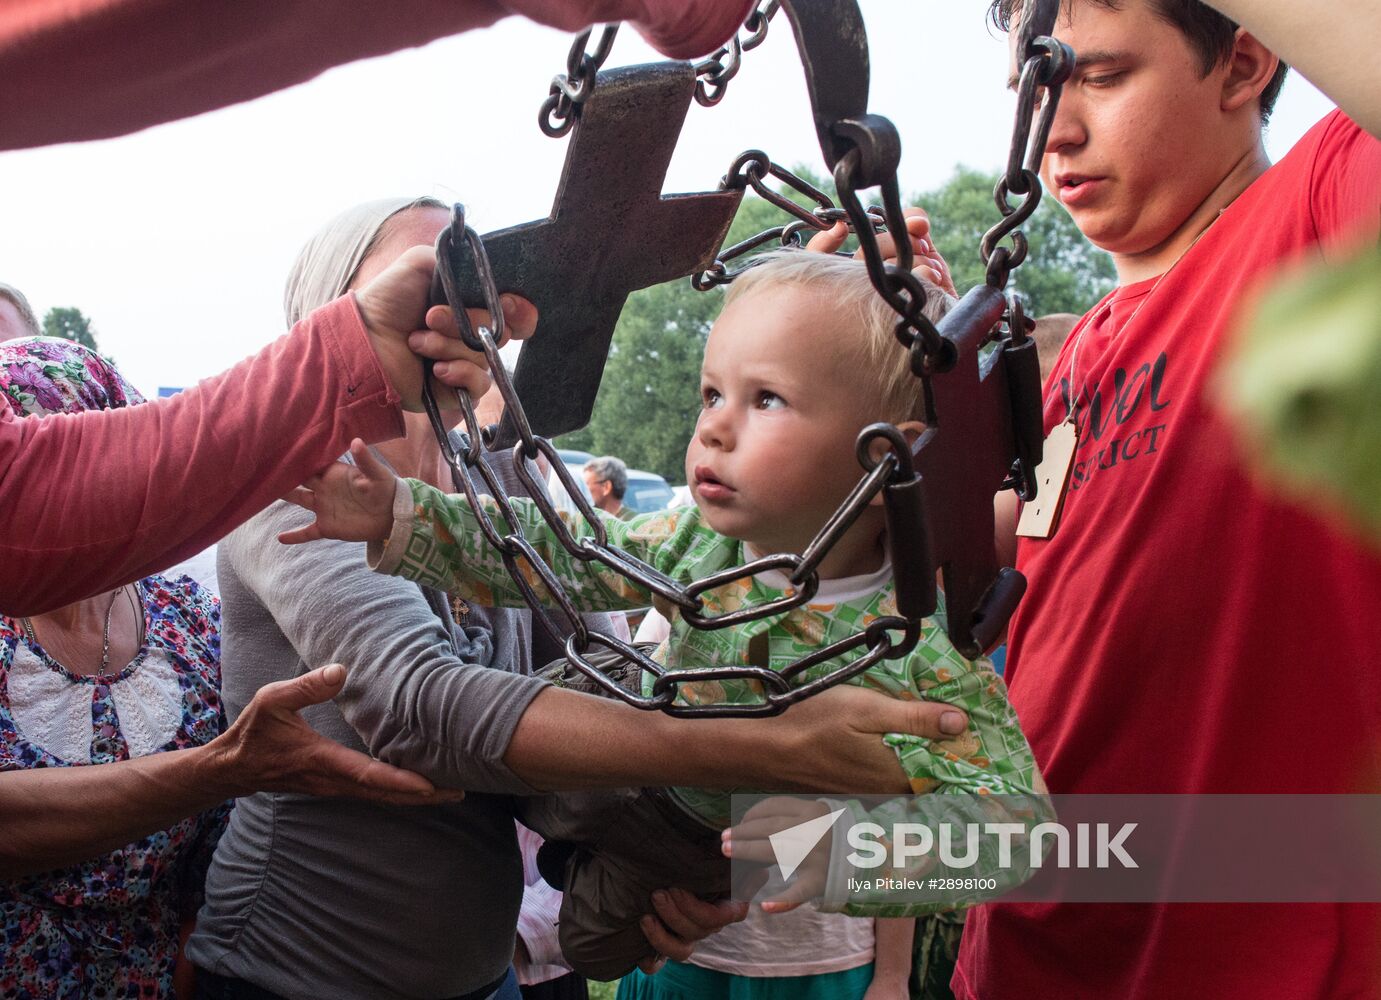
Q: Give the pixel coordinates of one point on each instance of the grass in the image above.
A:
(603, 991)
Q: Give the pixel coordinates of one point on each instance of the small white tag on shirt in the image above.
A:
(1039, 516)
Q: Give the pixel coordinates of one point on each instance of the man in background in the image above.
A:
(607, 479)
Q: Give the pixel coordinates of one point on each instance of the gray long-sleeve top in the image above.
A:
(311, 897)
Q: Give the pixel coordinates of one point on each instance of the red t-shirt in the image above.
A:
(1186, 631)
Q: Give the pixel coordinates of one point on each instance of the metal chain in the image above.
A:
(570, 89)
(870, 162)
(716, 70)
(751, 170)
(457, 247)
(1048, 65)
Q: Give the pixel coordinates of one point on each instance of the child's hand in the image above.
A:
(353, 503)
(751, 841)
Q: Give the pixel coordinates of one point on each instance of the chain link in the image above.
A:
(751, 170)
(1048, 65)
(570, 89)
(716, 70)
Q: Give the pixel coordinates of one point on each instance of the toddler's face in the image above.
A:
(782, 403)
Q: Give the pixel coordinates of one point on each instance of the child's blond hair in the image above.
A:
(844, 283)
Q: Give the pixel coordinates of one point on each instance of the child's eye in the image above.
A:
(770, 401)
(710, 398)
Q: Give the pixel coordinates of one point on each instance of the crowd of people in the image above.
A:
(327, 781)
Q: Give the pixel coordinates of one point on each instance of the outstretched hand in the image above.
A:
(927, 261)
(270, 748)
(352, 503)
(751, 842)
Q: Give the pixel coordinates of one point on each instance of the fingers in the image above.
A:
(683, 30)
(312, 688)
(652, 964)
(302, 496)
(442, 347)
(297, 536)
(365, 461)
(519, 317)
(789, 898)
(870, 712)
(472, 378)
(354, 774)
(931, 719)
(917, 222)
(829, 240)
(682, 919)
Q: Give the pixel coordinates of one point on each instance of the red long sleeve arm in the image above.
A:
(90, 69)
(93, 500)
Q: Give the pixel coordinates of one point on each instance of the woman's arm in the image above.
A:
(160, 64)
(829, 743)
(891, 958)
(124, 493)
(50, 817)
(417, 706)
(1331, 42)
(412, 701)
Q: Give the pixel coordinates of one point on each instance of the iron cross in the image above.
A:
(610, 233)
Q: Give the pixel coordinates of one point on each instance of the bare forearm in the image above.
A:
(567, 740)
(829, 743)
(50, 817)
(892, 949)
(1331, 42)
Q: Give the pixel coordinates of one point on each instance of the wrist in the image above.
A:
(218, 767)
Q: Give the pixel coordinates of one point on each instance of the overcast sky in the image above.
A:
(176, 241)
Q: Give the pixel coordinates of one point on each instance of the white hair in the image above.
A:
(326, 266)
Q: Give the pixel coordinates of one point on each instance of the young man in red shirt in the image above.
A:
(1186, 630)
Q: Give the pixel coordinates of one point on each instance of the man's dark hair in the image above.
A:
(1209, 33)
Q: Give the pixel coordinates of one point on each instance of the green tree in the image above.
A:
(69, 323)
(650, 394)
(1062, 273)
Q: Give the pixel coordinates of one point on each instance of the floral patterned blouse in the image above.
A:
(108, 928)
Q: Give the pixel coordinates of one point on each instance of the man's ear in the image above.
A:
(911, 430)
(1250, 68)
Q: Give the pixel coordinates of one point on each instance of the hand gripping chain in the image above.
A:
(863, 151)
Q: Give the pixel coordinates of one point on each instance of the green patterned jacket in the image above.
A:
(437, 542)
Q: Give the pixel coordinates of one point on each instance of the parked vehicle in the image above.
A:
(647, 491)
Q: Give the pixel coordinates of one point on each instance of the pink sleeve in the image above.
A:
(94, 500)
(89, 69)
(681, 29)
